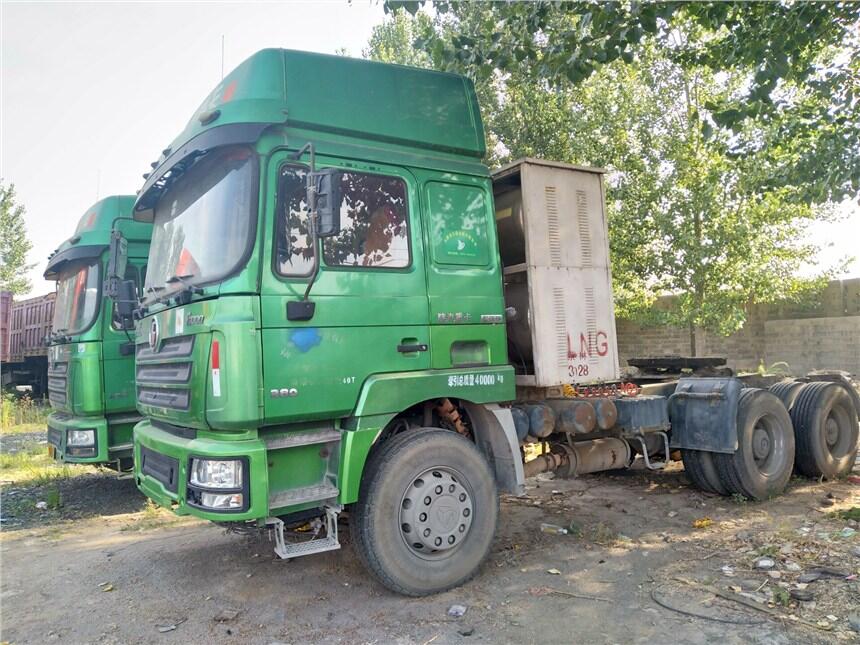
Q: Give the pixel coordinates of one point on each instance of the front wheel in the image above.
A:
(426, 512)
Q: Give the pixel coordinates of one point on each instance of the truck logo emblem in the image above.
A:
(153, 335)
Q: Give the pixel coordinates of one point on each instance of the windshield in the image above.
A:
(202, 223)
(77, 298)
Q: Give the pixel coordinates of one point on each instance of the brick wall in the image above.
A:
(824, 335)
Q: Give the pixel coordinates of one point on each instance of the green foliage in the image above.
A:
(14, 244)
(687, 214)
(17, 413)
(799, 63)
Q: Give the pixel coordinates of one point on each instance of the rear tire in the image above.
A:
(702, 472)
(417, 547)
(825, 430)
(787, 392)
(761, 466)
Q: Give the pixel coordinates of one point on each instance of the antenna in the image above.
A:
(98, 182)
(222, 57)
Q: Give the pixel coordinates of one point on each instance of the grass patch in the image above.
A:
(23, 428)
(852, 513)
(31, 465)
(21, 410)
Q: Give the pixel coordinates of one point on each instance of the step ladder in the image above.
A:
(288, 550)
(655, 465)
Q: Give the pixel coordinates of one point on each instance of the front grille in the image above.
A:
(173, 399)
(164, 373)
(155, 369)
(57, 383)
(160, 467)
(54, 436)
(170, 348)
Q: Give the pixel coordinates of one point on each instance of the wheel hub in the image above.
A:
(831, 431)
(761, 443)
(436, 512)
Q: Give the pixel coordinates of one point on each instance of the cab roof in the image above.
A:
(92, 234)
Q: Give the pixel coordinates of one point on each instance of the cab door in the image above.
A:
(370, 297)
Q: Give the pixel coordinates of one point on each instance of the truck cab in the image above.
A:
(274, 349)
(90, 356)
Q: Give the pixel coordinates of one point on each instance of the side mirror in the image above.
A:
(328, 199)
(126, 303)
(116, 264)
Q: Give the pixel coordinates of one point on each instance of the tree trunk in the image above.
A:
(692, 339)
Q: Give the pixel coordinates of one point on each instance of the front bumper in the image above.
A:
(59, 423)
(163, 474)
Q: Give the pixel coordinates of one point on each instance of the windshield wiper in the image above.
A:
(183, 297)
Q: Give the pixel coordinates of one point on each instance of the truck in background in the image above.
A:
(90, 354)
(23, 355)
(344, 309)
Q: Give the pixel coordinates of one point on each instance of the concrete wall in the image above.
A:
(823, 335)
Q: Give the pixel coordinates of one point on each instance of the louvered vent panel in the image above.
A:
(560, 327)
(552, 228)
(591, 324)
(584, 228)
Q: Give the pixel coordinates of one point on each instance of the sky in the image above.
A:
(90, 94)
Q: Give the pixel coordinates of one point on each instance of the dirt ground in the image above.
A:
(106, 567)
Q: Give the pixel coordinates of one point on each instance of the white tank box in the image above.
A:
(554, 244)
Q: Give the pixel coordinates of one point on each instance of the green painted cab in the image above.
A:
(90, 359)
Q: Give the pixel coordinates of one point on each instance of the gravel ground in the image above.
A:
(107, 568)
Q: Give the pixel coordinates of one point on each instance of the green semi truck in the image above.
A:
(344, 310)
(90, 355)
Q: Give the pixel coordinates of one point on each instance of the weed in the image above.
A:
(852, 513)
(781, 596)
(737, 498)
(16, 411)
(768, 550)
(52, 498)
(603, 534)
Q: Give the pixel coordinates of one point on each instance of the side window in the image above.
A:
(373, 217)
(373, 222)
(458, 224)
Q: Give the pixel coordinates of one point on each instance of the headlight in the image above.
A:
(80, 437)
(208, 473)
(222, 502)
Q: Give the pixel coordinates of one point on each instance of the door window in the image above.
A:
(373, 218)
(458, 224)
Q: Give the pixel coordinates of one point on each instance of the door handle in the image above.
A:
(412, 347)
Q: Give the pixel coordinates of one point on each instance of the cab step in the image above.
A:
(288, 550)
(293, 496)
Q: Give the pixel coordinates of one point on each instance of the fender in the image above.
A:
(703, 412)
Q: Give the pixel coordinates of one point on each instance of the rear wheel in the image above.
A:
(825, 429)
(427, 512)
(762, 464)
(701, 470)
(787, 391)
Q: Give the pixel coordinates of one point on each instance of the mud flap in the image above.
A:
(703, 412)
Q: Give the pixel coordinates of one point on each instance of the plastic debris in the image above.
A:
(42, 506)
(554, 572)
(702, 523)
(552, 529)
(765, 563)
(457, 611)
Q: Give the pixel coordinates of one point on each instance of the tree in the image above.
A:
(14, 244)
(799, 61)
(687, 214)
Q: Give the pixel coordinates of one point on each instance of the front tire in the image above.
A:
(761, 466)
(825, 428)
(426, 513)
